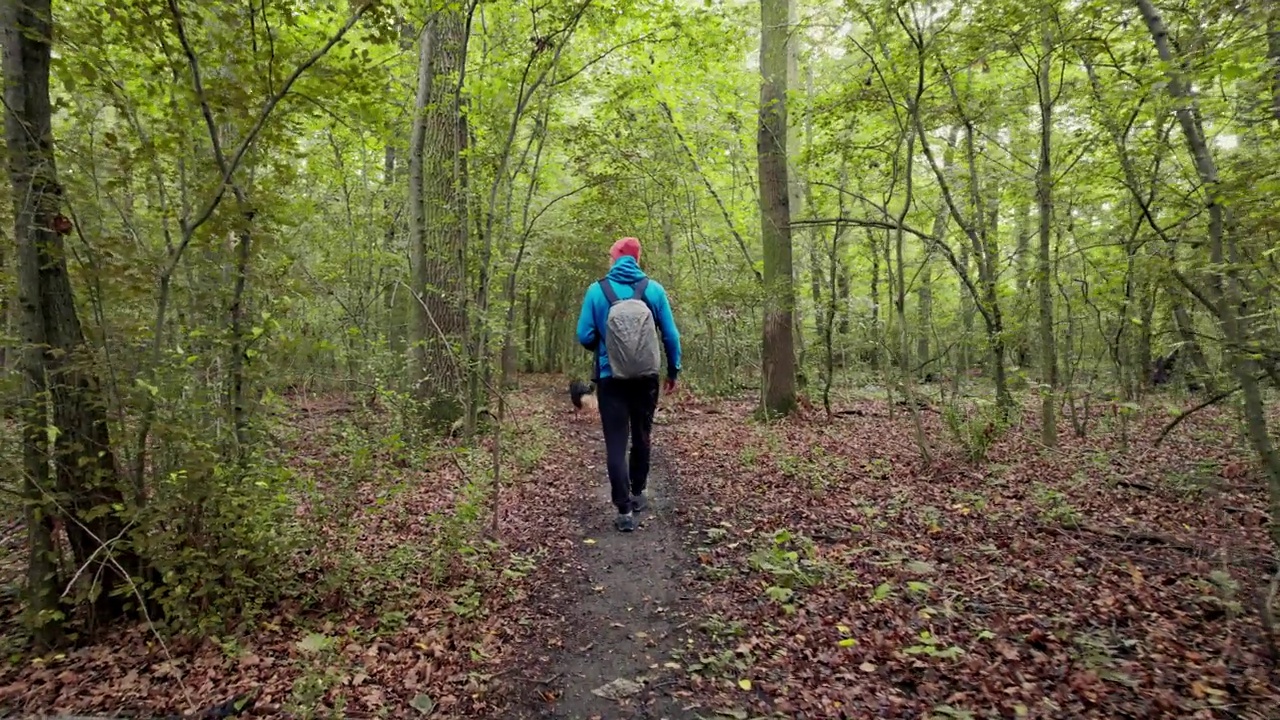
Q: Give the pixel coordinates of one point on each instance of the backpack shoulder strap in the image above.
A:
(639, 288)
(607, 288)
(641, 285)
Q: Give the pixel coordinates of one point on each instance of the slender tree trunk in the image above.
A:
(875, 297)
(509, 356)
(57, 363)
(419, 324)
(530, 350)
(390, 176)
(904, 349)
(779, 366)
(981, 232)
(1185, 327)
(890, 290)
(833, 275)
(1022, 345)
(797, 182)
(239, 352)
(1229, 295)
(1044, 196)
(1272, 10)
(1148, 296)
(924, 313)
(924, 294)
(6, 323)
(938, 235)
(987, 251)
(816, 271)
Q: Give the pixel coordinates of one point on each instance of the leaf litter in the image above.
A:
(837, 576)
(1098, 580)
(417, 637)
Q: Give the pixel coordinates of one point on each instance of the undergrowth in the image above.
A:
(299, 520)
(975, 431)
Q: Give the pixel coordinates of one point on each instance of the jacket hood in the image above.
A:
(626, 270)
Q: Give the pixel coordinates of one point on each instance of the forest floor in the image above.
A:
(804, 569)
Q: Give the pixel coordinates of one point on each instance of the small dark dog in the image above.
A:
(582, 395)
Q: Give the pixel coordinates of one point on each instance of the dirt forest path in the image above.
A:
(622, 615)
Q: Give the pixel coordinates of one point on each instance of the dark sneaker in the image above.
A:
(625, 522)
(639, 503)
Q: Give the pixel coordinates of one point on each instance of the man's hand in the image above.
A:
(669, 387)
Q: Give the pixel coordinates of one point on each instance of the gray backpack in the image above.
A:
(630, 338)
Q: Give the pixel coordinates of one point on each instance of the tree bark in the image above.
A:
(6, 323)
(924, 293)
(874, 247)
(437, 224)
(62, 390)
(394, 320)
(779, 365)
(419, 324)
(1185, 326)
(238, 356)
(1272, 10)
(1022, 234)
(1044, 197)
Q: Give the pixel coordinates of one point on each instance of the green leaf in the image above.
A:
(314, 643)
(423, 704)
(882, 591)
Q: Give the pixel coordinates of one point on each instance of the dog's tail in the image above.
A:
(578, 390)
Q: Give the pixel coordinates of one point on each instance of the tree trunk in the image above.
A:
(938, 237)
(981, 232)
(1044, 196)
(239, 350)
(1022, 345)
(924, 294)
(875, 296)
(890, 288)
(437, 224)
(797, 182)
(56, 359)
(963, 360)
(1185, 327)
(778, 352)
(1272, 10)
(1228, 296)
(419, 322)
(900, 303)
(833, 275)
(394, 323)
(6, 323)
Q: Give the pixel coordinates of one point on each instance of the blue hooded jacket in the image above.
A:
(592, 321)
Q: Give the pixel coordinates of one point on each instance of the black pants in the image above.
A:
(627, 405)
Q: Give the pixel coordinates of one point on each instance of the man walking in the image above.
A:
(621, 316)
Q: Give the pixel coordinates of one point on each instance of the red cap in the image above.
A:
(625, 246)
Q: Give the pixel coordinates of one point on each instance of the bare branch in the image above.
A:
(229, 167)
(728, 219)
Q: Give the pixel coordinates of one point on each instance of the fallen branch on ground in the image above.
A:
(1192, 411)
(1139, 536)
